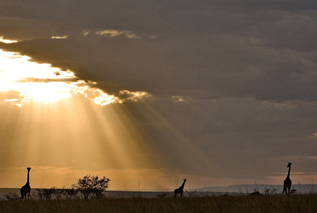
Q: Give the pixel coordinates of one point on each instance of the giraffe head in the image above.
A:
(28, 168)
(289, 164)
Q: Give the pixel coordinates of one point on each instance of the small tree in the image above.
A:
(91, 185)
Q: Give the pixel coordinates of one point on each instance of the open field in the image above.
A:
(242, 203)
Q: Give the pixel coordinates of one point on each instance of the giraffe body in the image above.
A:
(180, 190)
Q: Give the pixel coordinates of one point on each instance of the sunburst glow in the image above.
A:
(43, 83)
(70, 127)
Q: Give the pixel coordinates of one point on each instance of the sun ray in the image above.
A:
(56, 127)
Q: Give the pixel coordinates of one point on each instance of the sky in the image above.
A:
(148, 93)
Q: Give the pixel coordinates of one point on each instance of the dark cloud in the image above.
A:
(229, 133)
(230, 68)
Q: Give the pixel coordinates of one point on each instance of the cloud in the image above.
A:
(115, 33)
(7, 41)
(178, 98)
(133, 96)
(85, 33)
(60, 37)
(285, 105)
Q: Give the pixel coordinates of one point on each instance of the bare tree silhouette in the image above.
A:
(91, 185)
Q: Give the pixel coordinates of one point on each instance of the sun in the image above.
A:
(44, 92)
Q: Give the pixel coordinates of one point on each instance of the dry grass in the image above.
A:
(272, 203)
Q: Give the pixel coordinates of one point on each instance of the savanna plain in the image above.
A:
(237, 203)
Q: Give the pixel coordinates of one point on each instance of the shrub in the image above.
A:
(11, 196)
(91, 185)
(46, 193)
(69, 193)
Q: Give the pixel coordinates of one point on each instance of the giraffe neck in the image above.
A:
(289, 172)
(182, 186)
(28, 177)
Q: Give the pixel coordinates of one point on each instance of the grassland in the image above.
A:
(272, 203)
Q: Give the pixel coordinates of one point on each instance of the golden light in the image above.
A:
(55, 127)
(60, 128)
(44, 92)
(43, 83)
(115, 33)
(60, 37)
(7, 41)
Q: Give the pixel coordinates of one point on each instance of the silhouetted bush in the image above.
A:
(268, 191)
(256, 192)
(162, 195)
(11, 196)
(48, 193)
(55, 193)
(69, 193)
(91, 185)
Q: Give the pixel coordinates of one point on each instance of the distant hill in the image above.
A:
(248, 188)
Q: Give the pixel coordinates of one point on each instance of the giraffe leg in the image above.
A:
(284, 190)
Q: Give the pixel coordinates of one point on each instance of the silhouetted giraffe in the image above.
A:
(287, 181)
(180, 190)
(26, 189)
